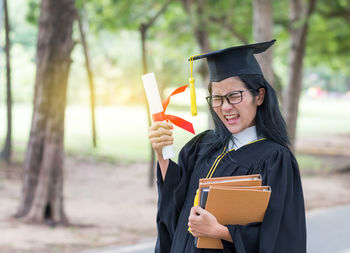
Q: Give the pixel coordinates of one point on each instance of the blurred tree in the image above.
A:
(196, 11)
(42, 199)
(132, 16)
(218, 24)
(330, 24)
(6, 152)
(335, 8)
(262, 31)
(90, 77)
(144, 26)
(300, 13)
(307, 26)
(210, 20)
(199, 23)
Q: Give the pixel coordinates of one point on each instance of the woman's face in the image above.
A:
(237, 117)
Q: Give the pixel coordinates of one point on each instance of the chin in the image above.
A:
(234, 129)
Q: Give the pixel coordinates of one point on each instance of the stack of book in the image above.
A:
(235, 200)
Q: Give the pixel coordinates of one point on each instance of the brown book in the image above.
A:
(238, 179)
(233, 205)
(256, 188)
(245, 180)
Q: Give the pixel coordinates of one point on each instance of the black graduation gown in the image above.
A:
(283, 229)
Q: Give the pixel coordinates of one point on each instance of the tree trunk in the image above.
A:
(200, 32)
(6, 152)
(151, 175)
(298, 31)
(262, 31)
(202, 37)
(42, 198)
(143, 31)
(90, 78)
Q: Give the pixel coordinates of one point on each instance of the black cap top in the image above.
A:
(234, 61)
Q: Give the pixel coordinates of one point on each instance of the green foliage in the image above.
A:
(115, 48)
(329, 43)
(33, 11)
(118, 14)
(235, 14)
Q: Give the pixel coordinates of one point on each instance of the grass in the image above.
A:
(328, 116)
(312, 165)
(122, 130)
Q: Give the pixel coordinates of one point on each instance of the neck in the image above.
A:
(243, 138)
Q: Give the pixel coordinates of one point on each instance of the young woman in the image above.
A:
(250, 137)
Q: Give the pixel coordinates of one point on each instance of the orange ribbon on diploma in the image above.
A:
(177, 121)
(157, 109)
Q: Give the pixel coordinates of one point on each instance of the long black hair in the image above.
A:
(269, 121)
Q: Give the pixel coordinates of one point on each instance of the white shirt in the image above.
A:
(243, 138)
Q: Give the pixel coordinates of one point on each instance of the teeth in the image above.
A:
(231, 116)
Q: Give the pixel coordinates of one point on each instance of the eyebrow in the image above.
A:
(234, 91)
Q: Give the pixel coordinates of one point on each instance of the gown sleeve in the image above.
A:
(172, 194)
(283, 228)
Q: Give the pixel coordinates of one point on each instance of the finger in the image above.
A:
(159, 132)
(193, 218)
(158, 146)
(159, 124)
(167, 143)
(194, 233)
(164, 139)
(198, 210)
(192, 227)
(193, 211)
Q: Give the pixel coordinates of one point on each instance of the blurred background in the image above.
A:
(76, 169)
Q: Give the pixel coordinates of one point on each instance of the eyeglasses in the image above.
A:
(234, 97)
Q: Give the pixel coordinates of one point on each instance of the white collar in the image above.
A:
(243, 138)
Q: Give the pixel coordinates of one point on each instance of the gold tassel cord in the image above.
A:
(192, 91)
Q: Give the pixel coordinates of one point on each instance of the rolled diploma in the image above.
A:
(155, 106)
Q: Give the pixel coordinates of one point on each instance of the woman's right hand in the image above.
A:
(160, 135)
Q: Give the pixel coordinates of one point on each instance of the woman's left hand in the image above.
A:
(203, 223)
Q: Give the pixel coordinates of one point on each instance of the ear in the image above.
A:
(260, 97)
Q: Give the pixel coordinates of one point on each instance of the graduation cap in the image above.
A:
(232, 61)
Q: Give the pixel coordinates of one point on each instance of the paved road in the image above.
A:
(145, 247)
(328, 232)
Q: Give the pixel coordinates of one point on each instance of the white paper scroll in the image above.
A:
(155, 106)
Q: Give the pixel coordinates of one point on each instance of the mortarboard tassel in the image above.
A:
(192, 91)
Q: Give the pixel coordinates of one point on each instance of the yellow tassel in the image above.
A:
(195, 203)
(192, 90)
(196, 199)
(189, 230)
(193, 97)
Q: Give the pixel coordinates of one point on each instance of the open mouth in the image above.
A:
(231, 119)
